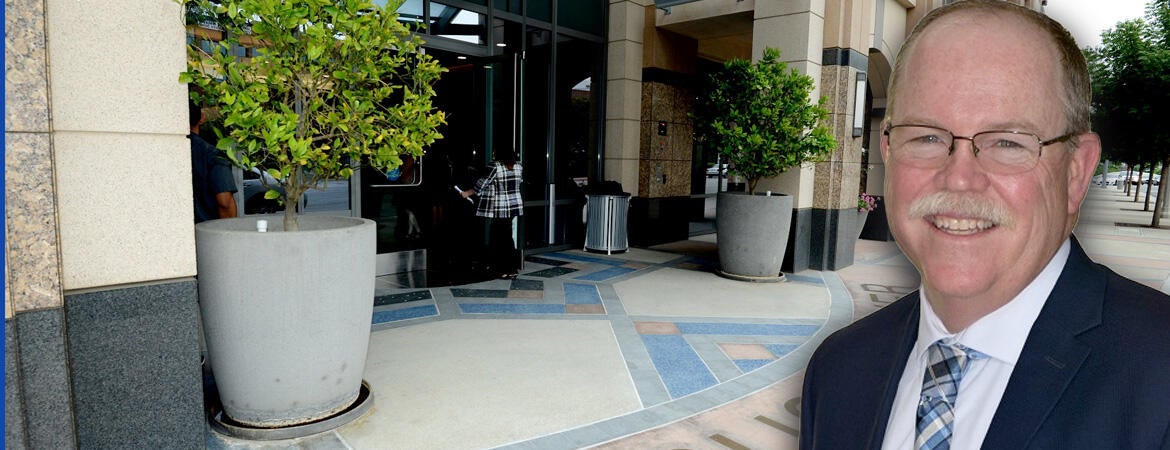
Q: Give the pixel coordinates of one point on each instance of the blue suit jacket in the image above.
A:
(1094, 372)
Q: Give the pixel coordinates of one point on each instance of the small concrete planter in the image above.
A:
(861, 216)
(286, 315)
(752, 235)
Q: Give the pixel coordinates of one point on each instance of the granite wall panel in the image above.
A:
(44, 379)
(34, 275)
(26, 92)
(135, 366)
(14, 432)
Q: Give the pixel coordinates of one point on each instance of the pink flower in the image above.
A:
(866, 202)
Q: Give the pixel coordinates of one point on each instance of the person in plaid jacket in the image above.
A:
(499, 204)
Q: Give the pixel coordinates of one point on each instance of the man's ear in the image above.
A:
(1082, 163)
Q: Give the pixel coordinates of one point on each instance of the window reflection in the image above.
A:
(459, 24)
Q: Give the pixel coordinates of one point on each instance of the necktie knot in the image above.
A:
(940, 387)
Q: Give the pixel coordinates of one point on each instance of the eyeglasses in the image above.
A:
(1001, 152)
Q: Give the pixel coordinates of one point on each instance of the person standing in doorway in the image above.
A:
(212, 184)
(499, 205)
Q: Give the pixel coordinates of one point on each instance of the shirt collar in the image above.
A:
(1001, 333)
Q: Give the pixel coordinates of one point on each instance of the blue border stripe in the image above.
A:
(804, 279)
(581, 294)
(510, 308)
(682, 370)
(746, 329)
(405, 313)
(605, 274)
(591, 259)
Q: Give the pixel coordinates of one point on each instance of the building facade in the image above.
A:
(101, 322)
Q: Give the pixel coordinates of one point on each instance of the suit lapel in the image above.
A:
(1052, 355)
(892, 373)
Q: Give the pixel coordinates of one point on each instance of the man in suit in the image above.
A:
(1015, 338)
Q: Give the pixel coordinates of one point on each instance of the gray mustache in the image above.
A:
(960, 205)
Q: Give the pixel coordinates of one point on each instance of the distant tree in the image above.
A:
(1131, 91)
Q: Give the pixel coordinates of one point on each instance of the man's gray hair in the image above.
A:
(1076, 94)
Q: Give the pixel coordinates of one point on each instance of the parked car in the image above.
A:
(717, 170)
(254, 189)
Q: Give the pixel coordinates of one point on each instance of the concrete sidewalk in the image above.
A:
(646, 349)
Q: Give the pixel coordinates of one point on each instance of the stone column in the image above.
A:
(100, 311)
(847, 35)
(623, 92)
(795, 28)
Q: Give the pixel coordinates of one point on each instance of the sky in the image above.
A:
(1086, 19)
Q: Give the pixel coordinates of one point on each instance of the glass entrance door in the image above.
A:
(425, 229)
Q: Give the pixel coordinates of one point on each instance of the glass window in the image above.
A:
(535, 125)
(582, 15)
(410, 12)
(512, 6)
(577, 103)
(459, 24)
(542, 9)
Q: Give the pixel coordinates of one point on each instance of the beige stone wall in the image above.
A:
(121, 159)
(665, 161)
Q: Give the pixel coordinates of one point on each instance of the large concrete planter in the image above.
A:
(286, 315)
(753, 234)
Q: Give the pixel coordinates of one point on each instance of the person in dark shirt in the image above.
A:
(212, 184)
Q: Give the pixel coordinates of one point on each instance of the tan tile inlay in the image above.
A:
(656, 328)
(525, 294)
(34, 277)
(585, 309)
(747, 351)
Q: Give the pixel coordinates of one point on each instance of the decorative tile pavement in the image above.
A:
(678, 365)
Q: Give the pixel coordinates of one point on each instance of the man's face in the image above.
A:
(971, 73)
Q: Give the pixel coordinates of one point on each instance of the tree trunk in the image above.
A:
(1160, 203)
(1137, 188)
(1149, 184)
(1125, 181)
(292, 196)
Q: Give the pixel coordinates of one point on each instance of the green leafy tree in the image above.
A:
(759, 117)
(1131, 91)
(331, 84)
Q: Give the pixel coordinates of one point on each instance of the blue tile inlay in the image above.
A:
(581, 294)
(748, 365)
(781, 349)
(804, 279)
(405, 313)
(510, 308)
(747, 329)
(591, 259)
(605, 274)
(682, 370)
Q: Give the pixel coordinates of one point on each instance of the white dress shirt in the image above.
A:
(999, 335)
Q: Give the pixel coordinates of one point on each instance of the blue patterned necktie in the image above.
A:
(940, 386)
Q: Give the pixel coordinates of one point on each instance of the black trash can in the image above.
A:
(605, 222)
